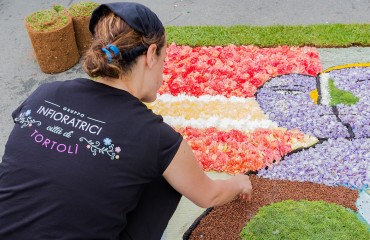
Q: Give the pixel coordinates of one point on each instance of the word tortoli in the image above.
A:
(50, 144)
(66, 119)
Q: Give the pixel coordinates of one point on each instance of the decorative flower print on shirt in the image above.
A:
(117, 149)
(106, 148)
(27, 113)
(107, 141)
(25, 119)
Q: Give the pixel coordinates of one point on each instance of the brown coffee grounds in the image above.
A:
(82, 33)
(56, 51)
(226, 222)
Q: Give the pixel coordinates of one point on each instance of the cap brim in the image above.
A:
(96, 15)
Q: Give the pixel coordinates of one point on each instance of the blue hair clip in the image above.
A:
(106, 51)
(114, 49)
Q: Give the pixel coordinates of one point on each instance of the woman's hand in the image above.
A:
(246, 187)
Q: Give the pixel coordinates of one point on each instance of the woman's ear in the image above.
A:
(151, 55)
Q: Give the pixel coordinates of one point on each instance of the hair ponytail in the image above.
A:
(101, 61)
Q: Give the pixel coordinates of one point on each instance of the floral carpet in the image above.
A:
(208, 95)
(271, 111)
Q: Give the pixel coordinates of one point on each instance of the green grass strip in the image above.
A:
(304, 220)
(320, 35)
(338, 96)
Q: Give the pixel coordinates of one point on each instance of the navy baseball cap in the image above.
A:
(136, 15)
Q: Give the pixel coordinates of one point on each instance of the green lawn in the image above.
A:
(321, 35)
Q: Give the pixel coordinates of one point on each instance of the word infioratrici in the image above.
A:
(68, 120)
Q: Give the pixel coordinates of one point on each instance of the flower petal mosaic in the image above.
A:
(272, 111)
(342, 125)
(232, 70)
(245, 108)
(208, 95)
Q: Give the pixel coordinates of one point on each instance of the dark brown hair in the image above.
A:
(111, 29)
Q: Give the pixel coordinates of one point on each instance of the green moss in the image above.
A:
(48, 20)
(304, 220)
(82, 9)
(59, 8)
(320, 35)
(338, 96)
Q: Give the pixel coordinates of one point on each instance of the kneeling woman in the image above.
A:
(88, 160)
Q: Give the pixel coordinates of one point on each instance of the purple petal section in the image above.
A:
(336, 162)
(357, 81)
(286, 100)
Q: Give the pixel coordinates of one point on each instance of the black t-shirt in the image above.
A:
(77, 161)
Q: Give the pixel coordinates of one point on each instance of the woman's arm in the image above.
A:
(187, 177)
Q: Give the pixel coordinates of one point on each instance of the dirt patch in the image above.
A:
(227, 221)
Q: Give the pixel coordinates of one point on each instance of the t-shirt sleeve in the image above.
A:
(170, 141)
(17, 111)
